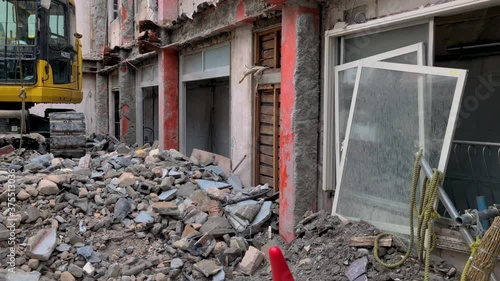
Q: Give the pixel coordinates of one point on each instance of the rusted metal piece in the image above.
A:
(146, 47)
(147, 24)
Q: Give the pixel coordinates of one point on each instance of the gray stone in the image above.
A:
(33, 214)
(122, 209)
(75, 270)
(134, 269)
(42, 244)
(82, 204)
(126, 179)
(176, 263)
(235, 182)
(186, 190)
(363, 278)
(23, 195)
(144, 217)
(167, 183)
(357, 268)
(167, 195)
(20, 275)
(63, 247)
(85, 251)
(114, 270)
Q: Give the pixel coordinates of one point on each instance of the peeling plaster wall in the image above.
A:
(227, 14)
(84, 26)
(127, 85)
(241, 103)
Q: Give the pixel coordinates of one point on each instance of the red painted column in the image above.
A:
(294, 71)
(169, 98)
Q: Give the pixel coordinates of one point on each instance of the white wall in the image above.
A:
(241, 103)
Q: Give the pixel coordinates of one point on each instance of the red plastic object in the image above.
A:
(279, 267)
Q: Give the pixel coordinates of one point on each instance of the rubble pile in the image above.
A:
(329, 249)
(132, 214)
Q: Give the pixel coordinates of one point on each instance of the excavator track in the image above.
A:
(67, 134)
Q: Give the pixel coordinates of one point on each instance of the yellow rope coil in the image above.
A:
(426, 237)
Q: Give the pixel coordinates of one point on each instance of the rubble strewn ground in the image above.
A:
(149, 214)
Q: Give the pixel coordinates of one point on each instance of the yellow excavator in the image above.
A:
(40, 62)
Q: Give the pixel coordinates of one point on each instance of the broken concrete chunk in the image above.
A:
(42, 244)
(357, 268)
(177, 155)
(207, 267)
(176, 263)
(251, 261)
(217, 226)
(186, 190)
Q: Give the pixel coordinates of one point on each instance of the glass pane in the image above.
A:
(377, 172)
(217, 57)
(411, 58)
(347, 78)
(192, 63)
(367, 45)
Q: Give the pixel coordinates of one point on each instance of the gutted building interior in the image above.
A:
(207, 116)
(471, 41)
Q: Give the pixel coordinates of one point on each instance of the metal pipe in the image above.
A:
(467, 219)
(448, 204)
(477, 143)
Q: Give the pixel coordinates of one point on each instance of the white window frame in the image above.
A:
(461, 76)
(332, 55)
(415, 48)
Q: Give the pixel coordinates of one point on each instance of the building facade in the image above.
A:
(257, 80)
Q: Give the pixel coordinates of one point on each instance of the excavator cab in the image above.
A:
(40, 56)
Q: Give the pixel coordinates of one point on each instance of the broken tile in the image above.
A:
(167, 195)
(144, 217)
(217, 226)
(206, 184)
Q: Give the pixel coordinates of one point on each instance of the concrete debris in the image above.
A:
(357, 268)
(139, 213)
(19, 275)
(126, 213)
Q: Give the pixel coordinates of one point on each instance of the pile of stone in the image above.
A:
(131, 214)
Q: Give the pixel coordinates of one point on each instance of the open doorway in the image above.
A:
(207, 116)
(472, 41)
(150, 117)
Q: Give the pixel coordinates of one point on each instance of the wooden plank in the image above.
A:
(256, 124)
(268, 119)
(368, 241)
(266, 140)
(267, 171)
(267, 98)
(268, 54)
(266, 109)
(266, 149)
(267, 62)
(276, 139)
(276, 50)
(264, 179)
(267, 130)
(268, 45)
(266, 159)
(267, 37)
(265, 87)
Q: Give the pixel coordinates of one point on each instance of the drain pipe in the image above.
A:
(450, 208)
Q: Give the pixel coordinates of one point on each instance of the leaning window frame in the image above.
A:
(332, 58)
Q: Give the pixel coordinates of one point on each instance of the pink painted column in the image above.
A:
(299, 114)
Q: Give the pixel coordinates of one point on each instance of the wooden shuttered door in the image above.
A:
(266, 132)
(268, 48)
